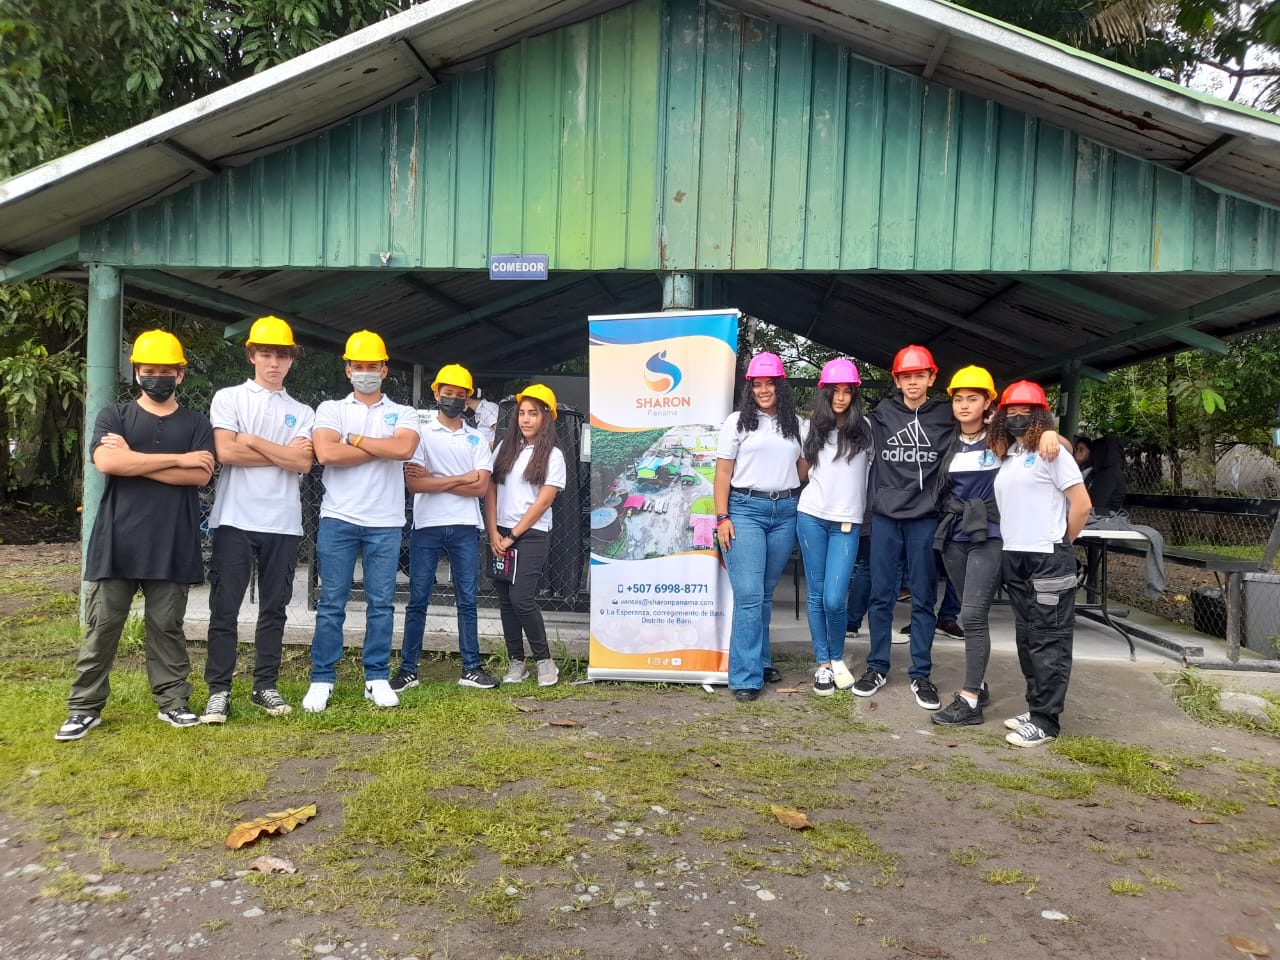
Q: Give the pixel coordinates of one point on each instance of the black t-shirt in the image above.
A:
(145, 529)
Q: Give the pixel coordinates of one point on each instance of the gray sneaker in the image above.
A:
(217, 709)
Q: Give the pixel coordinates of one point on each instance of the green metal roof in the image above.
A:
(853, 201)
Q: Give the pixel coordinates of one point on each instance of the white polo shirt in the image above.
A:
(764, 458)
(516, 494)
(367, 494)
(449, 453)
(1029, 492)
(261, 499)
(837, 487)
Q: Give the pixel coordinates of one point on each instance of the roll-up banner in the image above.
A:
(661, 386)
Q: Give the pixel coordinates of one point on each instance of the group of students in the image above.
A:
(155, 455)
(978, 481)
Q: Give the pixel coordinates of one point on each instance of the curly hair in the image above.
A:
(1000, 440)
(513, 444)
(749, 413)
(852, 436)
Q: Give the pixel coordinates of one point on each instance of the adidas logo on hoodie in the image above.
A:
(907, 446)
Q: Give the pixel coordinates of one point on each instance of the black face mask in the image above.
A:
(451, 407)
(1017, 424)
(158, 389)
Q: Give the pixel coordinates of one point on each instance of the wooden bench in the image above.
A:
(1180, 518)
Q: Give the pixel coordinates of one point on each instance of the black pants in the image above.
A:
(1042, 592)
(518, 601)
(234, 553)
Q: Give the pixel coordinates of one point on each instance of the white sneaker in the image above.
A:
(317, 697)
(517, 672)
(840, 673)
(548, 673)
(380, 692)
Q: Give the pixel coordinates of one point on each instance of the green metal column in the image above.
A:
(1070, 421)
(677, 291)
(106, 313)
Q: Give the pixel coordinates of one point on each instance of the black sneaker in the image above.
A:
(76, 726)
(178, 717)
(951, 629)
(772, 675)
(218, 708)
(403, 680)
(868, 683)
(958, 713)
(269, 699)
(984, 697)
(473, 678)
(824, 682)
(926, 693)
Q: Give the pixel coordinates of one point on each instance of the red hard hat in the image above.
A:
(913, 357)
(1024, 392)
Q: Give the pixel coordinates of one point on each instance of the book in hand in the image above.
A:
(504, 567)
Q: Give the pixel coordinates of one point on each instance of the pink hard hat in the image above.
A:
(839, 370)
(764, 365)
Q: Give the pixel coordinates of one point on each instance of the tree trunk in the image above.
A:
(1205, 464)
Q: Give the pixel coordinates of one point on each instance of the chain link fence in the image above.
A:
(1229, 523)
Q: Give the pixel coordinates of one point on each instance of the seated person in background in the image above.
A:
(1101, 463)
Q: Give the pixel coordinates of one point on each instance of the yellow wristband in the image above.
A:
(356, 440)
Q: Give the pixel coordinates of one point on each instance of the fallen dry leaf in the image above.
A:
(600, 757)
(1251, 947)
(563, 723)
(791, 818)
(282, 822)
(527, 708)
(1162, 765)
(1088, 803)
(873, 705)
(919, 766)
(273, 865)
(1201, 821)
(111, 835)
(714, 761)
(786, 690)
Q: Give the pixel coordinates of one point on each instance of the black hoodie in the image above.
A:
(909, 451)
(1105, 483)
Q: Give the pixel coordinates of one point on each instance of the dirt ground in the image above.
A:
(965, 847)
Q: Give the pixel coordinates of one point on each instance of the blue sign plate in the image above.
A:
(517, 266)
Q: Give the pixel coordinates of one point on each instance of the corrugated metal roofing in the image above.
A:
(1219, 143)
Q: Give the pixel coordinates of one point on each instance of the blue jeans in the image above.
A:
(895, 544)
(860, 586)
(764, 536)
(337, 545)
(461, 544)
(828, 562)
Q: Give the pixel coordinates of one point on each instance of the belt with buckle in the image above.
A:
(768, 494)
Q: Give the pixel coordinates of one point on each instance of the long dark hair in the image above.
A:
(749, 413)
(999, 440)
(852, 436)
(513, 444)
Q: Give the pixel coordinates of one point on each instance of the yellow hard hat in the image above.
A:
(973, 378)
(455, 375)
(365, 345)
(540, 392)
(158, 347)
(270, 331)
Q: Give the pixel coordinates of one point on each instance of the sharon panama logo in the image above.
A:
(660, 374)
